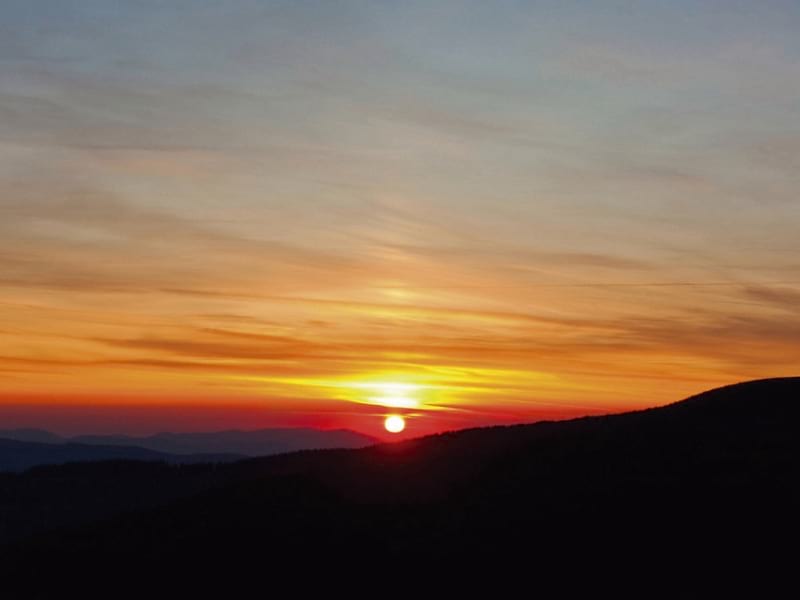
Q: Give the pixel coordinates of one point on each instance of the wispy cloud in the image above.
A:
(509, 195)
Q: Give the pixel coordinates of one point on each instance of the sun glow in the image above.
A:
(394, 423)
(395, 401)
(394, 395)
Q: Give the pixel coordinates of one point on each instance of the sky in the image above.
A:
(299, 213)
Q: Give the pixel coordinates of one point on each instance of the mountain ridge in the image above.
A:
(16, 455)
(256, 442)
(723, 479)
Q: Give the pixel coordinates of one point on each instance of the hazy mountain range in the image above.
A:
(17, 455)
(24, 448)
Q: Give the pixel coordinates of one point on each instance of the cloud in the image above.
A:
(89, 240)
(780, 297)
(257, 189)
(255, 347)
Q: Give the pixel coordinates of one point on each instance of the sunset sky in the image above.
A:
(262, 213)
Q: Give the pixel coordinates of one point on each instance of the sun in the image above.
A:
(394, 423)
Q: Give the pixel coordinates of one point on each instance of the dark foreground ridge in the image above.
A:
(669, 491)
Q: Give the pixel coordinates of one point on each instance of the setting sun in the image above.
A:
(394, 423)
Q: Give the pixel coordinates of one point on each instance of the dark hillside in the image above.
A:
(713, 476)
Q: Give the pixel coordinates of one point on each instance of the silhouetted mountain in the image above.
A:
(262, 442)
(18, 456)
(217, 446)
(32, 435)
(659, 496)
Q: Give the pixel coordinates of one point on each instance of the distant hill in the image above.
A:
(32, 435)
(18, 456)
(647, 499)
(260, 442)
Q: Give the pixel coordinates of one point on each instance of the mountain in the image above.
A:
(24, 448)
(18, 456)
(704, 492)
(262, 442)
(32, 435)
